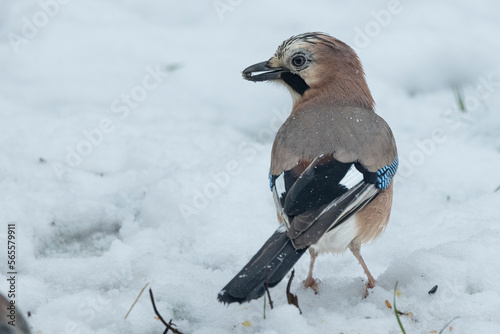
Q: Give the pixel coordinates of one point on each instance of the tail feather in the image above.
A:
(271, 263)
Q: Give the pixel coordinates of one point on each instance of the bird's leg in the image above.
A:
(355, 249)
(310, 282)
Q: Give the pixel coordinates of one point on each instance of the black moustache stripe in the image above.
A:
(295, 81)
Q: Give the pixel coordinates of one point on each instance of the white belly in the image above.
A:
(338, 240)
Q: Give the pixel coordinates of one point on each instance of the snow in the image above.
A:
(170, 187)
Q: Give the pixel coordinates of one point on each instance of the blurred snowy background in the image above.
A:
(132, 152)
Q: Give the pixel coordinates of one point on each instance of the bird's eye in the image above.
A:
(299, 60)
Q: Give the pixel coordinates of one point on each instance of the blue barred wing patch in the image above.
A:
(271, 181)
(385, 174)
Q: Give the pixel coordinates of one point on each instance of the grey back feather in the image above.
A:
(349, 134)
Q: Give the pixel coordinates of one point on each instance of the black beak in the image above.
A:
(251, 73)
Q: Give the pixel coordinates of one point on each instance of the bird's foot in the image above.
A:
(370, 285)
(312, 283)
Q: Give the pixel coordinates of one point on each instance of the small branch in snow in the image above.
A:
(170, 325)
(266, 286)
(140, 294)
(292, 299)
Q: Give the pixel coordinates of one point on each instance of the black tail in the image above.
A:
(270, 264)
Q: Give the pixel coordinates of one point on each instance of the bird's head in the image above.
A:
(315, 65)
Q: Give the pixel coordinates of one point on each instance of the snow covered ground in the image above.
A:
(133, 152)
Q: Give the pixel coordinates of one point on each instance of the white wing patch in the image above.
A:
(352, 177)
(278, 190)
(280, 184)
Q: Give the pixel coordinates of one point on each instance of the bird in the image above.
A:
(333, 161)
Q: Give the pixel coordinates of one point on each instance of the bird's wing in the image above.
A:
(324, 195)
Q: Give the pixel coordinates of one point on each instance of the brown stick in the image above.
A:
(292, 299)
(266, 286)
(168, 325)
(131, 307)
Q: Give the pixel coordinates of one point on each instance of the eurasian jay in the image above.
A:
(332, 163)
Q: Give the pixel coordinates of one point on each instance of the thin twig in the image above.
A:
(140, 294)
(168, 325)
(292, 299)
(167, 329)
(264, 306)
(266, 286)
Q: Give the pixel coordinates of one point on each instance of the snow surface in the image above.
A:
(143, 205)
